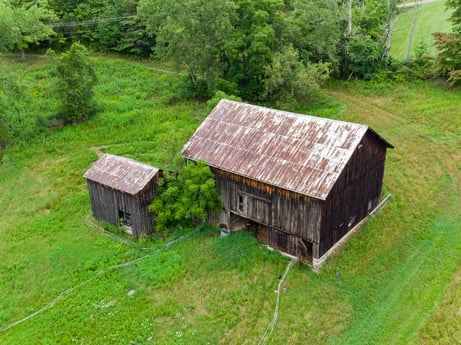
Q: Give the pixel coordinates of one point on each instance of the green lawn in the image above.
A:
(432, 17)
(399, 277)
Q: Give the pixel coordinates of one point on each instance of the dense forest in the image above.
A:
(256, 49)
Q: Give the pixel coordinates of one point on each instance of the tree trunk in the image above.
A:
(349, 18)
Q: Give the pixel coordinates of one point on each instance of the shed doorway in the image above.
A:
(125, 221)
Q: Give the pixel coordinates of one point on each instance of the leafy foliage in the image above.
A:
(23, 23)
(76, 80)
(317, 30)
(363, 59)
(190, 33)
(17, 103)
(288, 78)
(186, 198)
(247, 41)
(448, 60)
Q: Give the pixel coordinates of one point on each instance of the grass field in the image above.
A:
(400, 276)
(432, 17)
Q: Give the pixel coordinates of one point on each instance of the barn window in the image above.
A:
(241, 203)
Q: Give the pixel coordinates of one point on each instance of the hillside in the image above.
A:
(397, 281)
(431, 17)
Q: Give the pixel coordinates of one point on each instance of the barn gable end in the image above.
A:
(121, 190)
(298, 178)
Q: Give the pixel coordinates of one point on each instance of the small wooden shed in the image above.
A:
(121, 190)
(303, 182)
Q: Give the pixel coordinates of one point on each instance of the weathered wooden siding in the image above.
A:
(356, 192)
(107, 202)
(287, 217)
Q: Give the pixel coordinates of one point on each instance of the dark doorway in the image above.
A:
(305, 251)
(125, 221)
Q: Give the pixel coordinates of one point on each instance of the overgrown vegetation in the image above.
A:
(186, 197)
(398, 278)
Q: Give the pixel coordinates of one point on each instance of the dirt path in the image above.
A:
(98, 149)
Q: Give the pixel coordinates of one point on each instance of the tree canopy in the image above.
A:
(237, 51)
(23, 23)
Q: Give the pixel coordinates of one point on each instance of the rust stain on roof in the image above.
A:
(300, 153)
(120, 173)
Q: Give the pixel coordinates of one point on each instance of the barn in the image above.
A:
(302, 182)
(121, 190)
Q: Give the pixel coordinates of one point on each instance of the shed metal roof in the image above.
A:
(120, 173)
(300, 153)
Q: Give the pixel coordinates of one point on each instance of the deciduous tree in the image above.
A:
(448, 60)
(23, 24)
(288, 78)
(191, 33)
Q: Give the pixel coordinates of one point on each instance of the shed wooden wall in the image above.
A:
(356, 193)
(107, 202)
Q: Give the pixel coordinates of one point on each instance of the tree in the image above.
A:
(186, 198)
(321, 26)
(75, 82)
(259, 30)
(448, 60)
(23, 24)
(191, 33)
(288, 78)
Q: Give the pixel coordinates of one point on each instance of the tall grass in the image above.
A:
(395, 282)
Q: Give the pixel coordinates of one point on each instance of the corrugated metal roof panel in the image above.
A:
(120, 173)
(301, 153)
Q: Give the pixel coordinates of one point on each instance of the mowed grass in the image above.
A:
(431, 17)
(398, 280)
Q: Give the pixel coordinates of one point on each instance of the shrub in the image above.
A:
(76, 80)
(186, 198)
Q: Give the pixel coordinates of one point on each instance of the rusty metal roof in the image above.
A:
(120, 173)
(300, 153)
